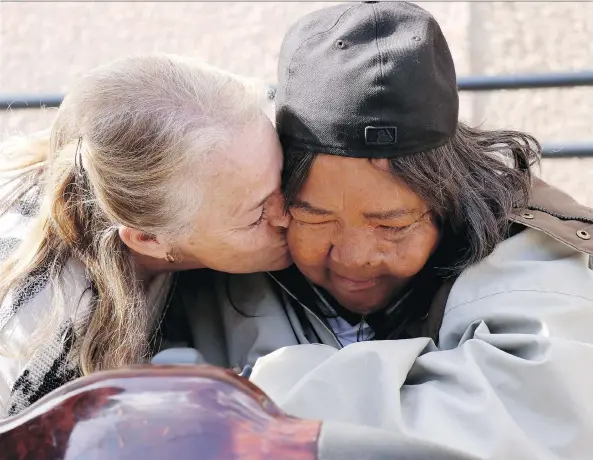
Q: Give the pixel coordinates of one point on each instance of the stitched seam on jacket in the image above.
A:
(554, 236)
(447, 311)
(557, 215)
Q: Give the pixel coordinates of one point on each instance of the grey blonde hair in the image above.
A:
(147, 128)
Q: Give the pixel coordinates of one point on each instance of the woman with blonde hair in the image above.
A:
(155, 164)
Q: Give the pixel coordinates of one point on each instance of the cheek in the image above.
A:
(215, 242)
(245, 242)
(412, 253)
(307, 247)
(208, 246)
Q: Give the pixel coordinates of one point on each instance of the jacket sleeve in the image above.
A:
(512, 377)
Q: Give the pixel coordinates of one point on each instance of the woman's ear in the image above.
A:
(143, 243)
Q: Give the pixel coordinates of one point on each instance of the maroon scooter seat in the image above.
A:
(157, 412)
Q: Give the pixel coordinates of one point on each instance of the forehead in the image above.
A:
(335, 182)
(248, 168)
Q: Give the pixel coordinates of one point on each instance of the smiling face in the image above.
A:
(358, 232)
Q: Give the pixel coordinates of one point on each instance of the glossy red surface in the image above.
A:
(158, 412)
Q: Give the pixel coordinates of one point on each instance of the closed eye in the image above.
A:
(398, 230)
(260, 220)
(310, 223)
(394, 230)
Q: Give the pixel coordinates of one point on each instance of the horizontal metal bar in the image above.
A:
(568, 150)
(472, 83)
(526, 81)
(29, 101)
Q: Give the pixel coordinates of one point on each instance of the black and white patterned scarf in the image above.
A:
(48, 368)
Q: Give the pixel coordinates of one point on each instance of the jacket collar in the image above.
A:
(555, 213)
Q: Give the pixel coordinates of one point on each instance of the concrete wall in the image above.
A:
(45, 46)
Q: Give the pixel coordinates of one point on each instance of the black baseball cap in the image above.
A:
(367, 80)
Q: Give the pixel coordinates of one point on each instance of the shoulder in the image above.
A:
(551, 255)
(530, 261)
(539, 281)
(531, 285)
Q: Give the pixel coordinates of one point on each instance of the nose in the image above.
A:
(355, 248)
(277, 215)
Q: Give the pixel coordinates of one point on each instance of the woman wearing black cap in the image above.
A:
(407, 224)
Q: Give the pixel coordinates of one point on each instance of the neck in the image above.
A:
(148, 267)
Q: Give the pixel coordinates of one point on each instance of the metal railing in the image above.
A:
(526, 81)
(471, 83)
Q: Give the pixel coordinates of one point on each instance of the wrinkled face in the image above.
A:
(358, 232)
(241, 226)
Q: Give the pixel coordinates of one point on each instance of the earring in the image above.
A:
(169, 258)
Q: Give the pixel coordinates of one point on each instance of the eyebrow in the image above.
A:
(308, 207)
(379, 215)
(392, 214)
